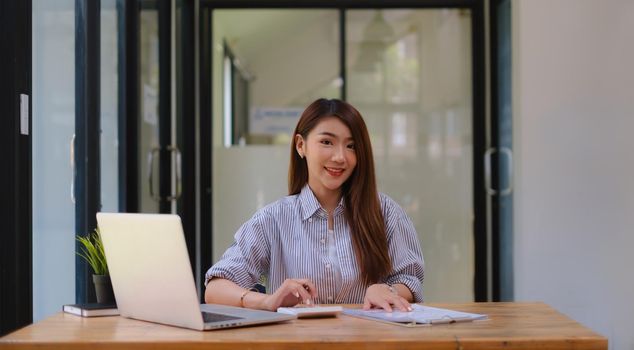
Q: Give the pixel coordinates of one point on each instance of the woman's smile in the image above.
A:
(334, 172)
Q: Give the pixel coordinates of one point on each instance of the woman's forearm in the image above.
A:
(225, 292)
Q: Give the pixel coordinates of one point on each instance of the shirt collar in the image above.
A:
(310, 204)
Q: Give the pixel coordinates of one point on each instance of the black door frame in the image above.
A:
(128, 100)
(16, 260)
(186, 126)
(203, 135)
(482, 276)
(165, 104)
(501, 137)
(87, 148)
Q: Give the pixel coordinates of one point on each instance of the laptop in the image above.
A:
(152, 278)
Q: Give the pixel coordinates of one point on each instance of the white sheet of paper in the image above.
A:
(420, 314)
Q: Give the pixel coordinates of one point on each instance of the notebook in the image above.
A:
(152, 278)
(91, 309)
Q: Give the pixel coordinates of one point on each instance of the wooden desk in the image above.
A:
(510, 326)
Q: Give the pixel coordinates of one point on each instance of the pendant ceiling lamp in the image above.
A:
(377, 36)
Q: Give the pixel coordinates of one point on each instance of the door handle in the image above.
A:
(176, 154)
(72, 169)
(509, 171)
(150, 165)
(487, 171)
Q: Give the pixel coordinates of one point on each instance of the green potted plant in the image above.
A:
(93, 253)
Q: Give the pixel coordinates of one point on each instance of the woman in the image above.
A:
(334, 239)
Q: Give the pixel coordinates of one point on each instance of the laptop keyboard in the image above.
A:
(212, 317)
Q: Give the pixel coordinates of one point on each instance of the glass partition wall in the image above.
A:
(408, 71)
(54, 116)
(53, 130)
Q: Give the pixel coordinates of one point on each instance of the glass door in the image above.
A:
(409, 73)
(158, 157)
(56, 192)
(413, 74)
(148, 121)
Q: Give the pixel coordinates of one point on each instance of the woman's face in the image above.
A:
(330, 154)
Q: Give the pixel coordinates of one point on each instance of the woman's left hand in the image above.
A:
(382, 296)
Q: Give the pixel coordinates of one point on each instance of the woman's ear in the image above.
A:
(300, 145)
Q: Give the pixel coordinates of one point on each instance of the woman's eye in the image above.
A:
(351, 146)
(326, 142)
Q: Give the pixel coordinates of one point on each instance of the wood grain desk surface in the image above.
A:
(510, 326)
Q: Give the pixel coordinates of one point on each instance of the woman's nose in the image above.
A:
(338, 153)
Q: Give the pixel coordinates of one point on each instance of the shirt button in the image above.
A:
(327, 266)
(310, 219)
(322, 240)
(330, 299)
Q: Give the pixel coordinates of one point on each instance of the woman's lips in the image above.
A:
(334, 171)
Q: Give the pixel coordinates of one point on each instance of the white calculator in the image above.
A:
(311, 312)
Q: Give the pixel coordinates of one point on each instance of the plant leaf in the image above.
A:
(92, 251)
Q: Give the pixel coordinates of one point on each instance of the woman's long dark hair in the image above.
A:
(362, 205)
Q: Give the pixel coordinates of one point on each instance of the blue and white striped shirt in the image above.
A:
(289, 239)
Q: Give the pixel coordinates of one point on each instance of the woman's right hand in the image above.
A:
(290, 293)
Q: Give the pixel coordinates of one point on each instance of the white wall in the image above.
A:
(573, 123)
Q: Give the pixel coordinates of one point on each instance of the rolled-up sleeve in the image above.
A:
(408, 267)
(247, 258)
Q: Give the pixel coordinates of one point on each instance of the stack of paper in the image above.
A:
(419, 315)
